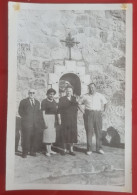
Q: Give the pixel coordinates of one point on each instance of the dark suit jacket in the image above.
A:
(30, 116)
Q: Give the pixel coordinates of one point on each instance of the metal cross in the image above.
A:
(70, 43)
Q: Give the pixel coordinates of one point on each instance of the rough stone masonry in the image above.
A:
(101, 50)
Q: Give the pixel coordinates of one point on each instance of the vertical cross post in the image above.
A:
(69, 43)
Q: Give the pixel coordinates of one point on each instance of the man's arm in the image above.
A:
(80, 101)
(59, 118)
(105, 103)
(21, 109)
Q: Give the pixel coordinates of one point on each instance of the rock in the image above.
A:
(38, 73)
(114, 44)
(95, 67)
(121, 62)
(80, 63)
(59, 62)
(92, 22)
(90, 32)
(25, 72)
(21, 60)
(41, 51)
(118, 14)
(47, 66)
(59, 54)
(101, 23)
(103, 36)
(34, 64)
(118, 99)
(82, 20)
(38, 84)
(121, 46)
(115, 72)
(68, 19)
(80, 30)
(76, 54)
(53, 43)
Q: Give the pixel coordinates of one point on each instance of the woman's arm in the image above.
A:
(59, 118)
(44, 117)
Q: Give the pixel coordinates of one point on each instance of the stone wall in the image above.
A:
(101, 50)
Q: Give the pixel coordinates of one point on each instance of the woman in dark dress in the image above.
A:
(67, 109)
(49, 110)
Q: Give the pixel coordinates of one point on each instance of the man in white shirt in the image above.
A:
(95, 104)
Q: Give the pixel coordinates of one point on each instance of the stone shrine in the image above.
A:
(98, 54)
(72, 73)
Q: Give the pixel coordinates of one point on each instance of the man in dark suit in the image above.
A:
(29, 110)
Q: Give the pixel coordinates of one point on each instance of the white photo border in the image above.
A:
(11, 114)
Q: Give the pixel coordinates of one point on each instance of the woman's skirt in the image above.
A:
(49, 134)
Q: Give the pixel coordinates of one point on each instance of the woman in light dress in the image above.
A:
(49, 110)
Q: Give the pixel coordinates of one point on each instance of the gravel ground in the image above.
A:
(107, 169)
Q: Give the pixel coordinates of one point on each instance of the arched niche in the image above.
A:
(73, 80)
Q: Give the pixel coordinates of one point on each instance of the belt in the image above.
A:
(50, 114)
(92, 110)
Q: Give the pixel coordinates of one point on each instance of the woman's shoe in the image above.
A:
(47, 154)
(101, 151)
(52, 152)
(72, 153)
(89, 153)
(63, 153)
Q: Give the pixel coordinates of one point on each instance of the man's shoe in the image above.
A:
(101, 151)
(63, 153)
(33, 154)
(89, 152)
(24, 155)
(72, 153)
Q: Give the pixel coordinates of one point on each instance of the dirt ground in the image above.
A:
(97, 169)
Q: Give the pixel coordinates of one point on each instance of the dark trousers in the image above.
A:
(30, 139)
(93, 123)
(17, 138)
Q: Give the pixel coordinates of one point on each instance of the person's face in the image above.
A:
(69, 92)
(92, 89)
(31, 94)
(51, 96)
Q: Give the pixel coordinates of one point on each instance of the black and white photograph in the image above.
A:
(69, 118)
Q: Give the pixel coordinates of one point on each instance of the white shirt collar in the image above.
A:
(49, 100)
(32, 100)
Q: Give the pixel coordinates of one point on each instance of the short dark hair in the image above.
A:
(51, 90)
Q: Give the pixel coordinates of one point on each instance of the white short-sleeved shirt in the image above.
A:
(93, 102)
